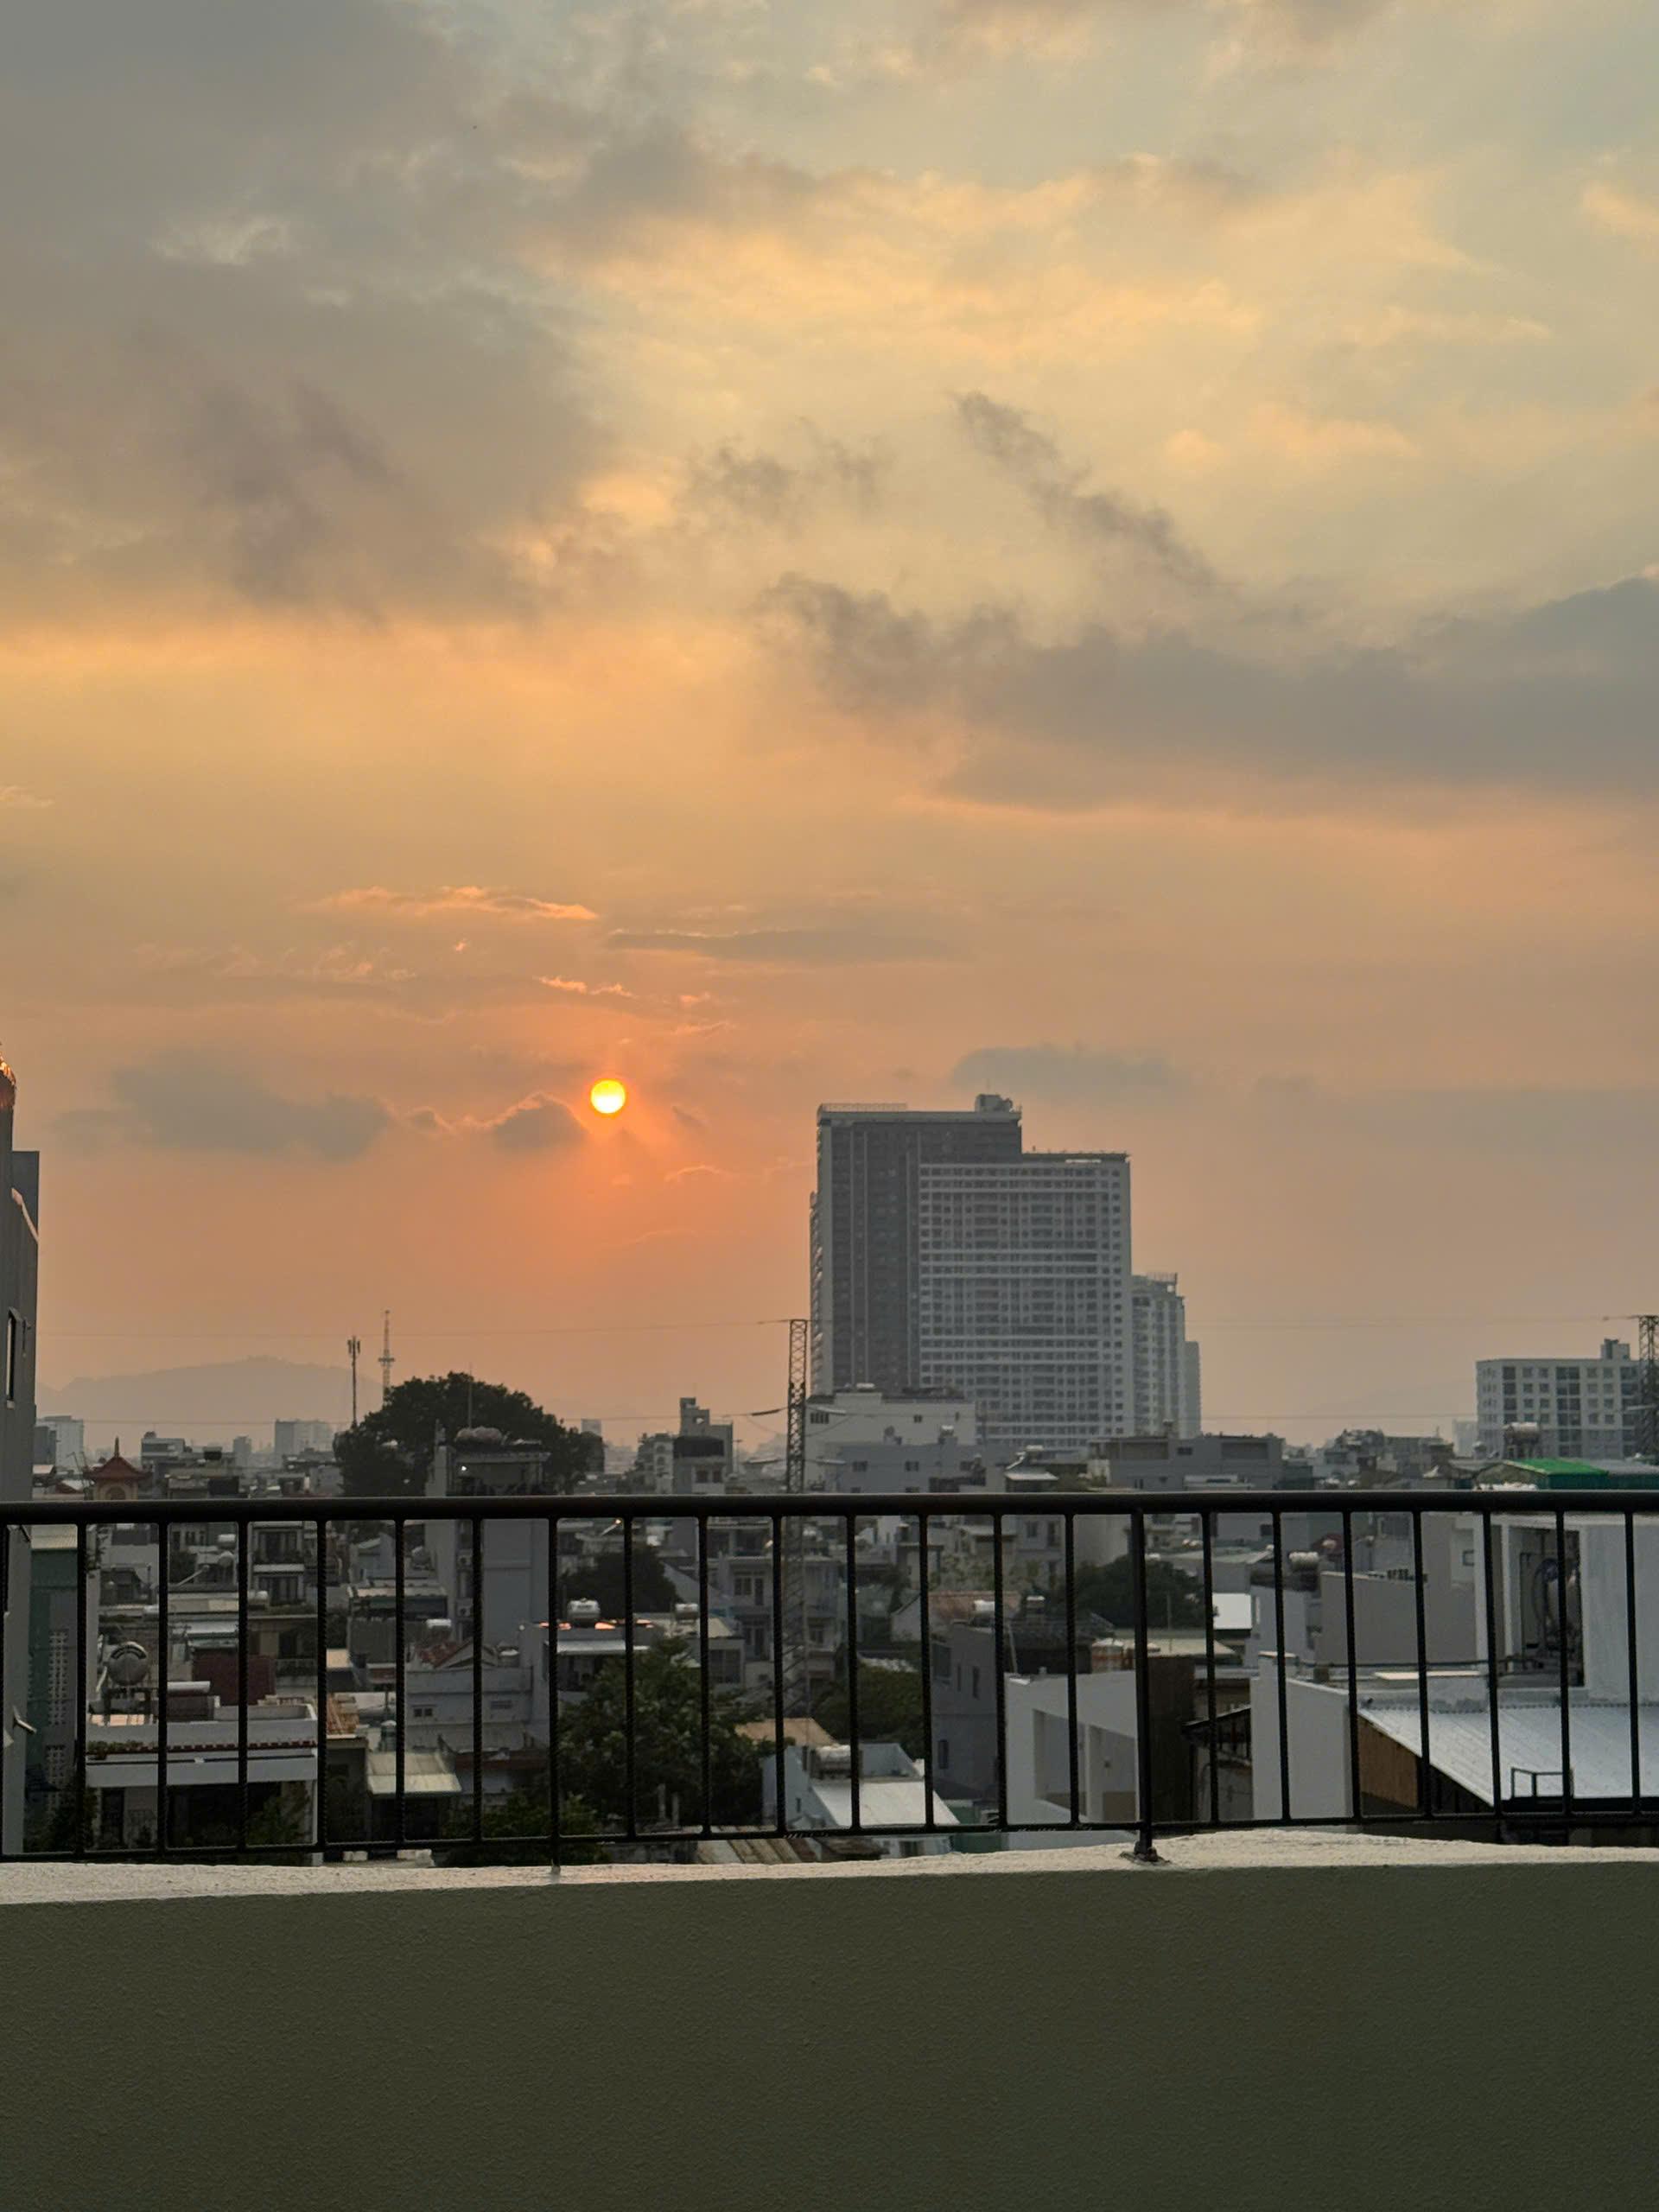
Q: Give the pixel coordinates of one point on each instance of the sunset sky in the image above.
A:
(1104, 551)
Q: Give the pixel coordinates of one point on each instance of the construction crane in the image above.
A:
(385, 1356)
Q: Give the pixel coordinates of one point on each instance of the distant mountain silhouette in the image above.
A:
(209, 1404)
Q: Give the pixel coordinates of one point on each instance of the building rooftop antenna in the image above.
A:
(386, 1355)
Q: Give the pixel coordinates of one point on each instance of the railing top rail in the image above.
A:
(825, 1504)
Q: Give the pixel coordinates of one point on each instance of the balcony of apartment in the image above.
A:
(755, 2010)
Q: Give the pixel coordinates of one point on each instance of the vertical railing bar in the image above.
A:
(1207, 1530)
(1145, 1848)
(630, 1718)
(555, 1810)
(80, 1689)
(704, 1699)
(5, 1610)
(1355, 1790)
(1425, 1757)
(1566, 1668)
(1491, 1672)
(924, 1602)
(1072, 1758)
(856, 1806)
(163, 1648)
(1284, 1661)
(322, 1683)
(400, 1532)
(478, 1677)
(1629, 1646)
(999, 1630)
(243, 1547)
(778, 1540)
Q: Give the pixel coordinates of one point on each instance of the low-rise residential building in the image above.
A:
(123, 1770)
(892, 1792)
(1561, 1409)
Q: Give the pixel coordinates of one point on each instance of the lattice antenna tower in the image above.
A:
(385, 1362)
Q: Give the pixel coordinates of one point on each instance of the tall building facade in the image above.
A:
(1166, 1360)
(1582, 1409)
(866, 1232)
(20, 1210)
(946, 1258)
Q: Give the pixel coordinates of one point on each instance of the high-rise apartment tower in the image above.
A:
(945, 1257)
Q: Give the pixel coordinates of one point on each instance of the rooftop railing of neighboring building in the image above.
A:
(1540, 1590)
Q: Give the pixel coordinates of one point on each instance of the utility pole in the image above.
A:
(794, 1661)
(385, 1356)
(354, 1345)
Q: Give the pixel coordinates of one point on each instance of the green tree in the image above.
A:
(602, 1579)
(389, 1452)
(508, 1819)
(667, 1747)
(889, 1709)
(1173, 1598)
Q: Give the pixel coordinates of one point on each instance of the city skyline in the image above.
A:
(1094, 553)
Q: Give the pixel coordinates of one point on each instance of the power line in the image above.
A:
(1207, 1327)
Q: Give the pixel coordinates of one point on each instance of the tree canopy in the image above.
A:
(601, 1579)
(889, 1708)
(667, 1747)
(1173, 1598)
(389, 1452)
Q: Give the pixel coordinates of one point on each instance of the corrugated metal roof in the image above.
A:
(426, 1774)
(1529, 1743)
(892, 1803)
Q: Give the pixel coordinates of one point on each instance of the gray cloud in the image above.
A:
(1073, 1074)
(1104, 521)
(1559, 695)
(830, 947)
(195, 1102)
(731, 483)
(269, 326)
(539, 1123)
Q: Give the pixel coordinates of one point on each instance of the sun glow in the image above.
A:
(608, 1096)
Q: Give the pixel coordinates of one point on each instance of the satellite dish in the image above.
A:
(128, 1665)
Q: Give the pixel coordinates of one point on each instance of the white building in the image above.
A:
(893, 1792)
(290, 1437)
(1023, 1291)
(1166, 1360)
(1581, 1408)
(1530, 1618)
(860, 1439)
(61, 1443)
(1038, 1729)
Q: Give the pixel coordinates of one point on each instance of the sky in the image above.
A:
(1100, 549)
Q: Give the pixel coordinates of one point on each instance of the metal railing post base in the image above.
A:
(1146, 1854)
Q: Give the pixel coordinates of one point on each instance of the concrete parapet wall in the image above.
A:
(1261, 2025)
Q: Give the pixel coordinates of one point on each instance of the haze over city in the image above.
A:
(1097, 553)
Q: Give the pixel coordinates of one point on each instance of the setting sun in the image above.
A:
(608, 1096)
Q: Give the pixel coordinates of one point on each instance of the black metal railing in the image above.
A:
(1542, 1610)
